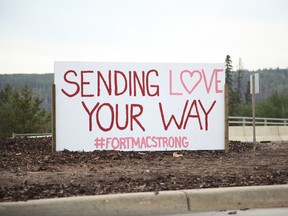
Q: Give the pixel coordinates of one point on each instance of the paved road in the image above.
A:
(249, 212)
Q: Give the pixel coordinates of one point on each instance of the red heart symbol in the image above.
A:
(190, 84)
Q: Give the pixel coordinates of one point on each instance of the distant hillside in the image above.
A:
(40, 83)
(271, 80)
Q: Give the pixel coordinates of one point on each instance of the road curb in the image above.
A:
(149, 203)
(237, 198)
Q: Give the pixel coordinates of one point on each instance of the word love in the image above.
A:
(191, 80)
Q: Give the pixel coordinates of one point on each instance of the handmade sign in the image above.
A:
(139, 106)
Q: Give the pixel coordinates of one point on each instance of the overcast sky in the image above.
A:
(35, 33)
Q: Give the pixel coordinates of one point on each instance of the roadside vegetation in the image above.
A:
(21, 112)
(25, 99)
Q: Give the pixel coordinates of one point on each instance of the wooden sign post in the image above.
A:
(53, 118)
(226, 118)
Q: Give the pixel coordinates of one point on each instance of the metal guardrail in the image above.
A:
(248, 121)
(233, 121)
(14, 135)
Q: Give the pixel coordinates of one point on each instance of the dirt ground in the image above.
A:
(29, 170)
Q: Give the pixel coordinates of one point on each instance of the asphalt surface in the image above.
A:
(249, 212)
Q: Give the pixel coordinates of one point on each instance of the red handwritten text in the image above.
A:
(113, 82)
(141, 143)
(191, 80)
(131, 116)
(187, 114)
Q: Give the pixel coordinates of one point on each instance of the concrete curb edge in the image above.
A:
(237, 198)
(150, 203)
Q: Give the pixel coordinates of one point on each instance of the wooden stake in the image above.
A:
(53, 118)
(226, 118)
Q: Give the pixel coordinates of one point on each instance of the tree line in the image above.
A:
(21, 112)
(272, 100)
(25, 99)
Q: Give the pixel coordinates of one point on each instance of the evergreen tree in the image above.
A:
(228, 72)
(273, 107)
(229, 80)
(237, 97)
(248, 98)
(20, 112)
(239, 80)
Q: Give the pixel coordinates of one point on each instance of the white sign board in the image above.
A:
(256, 83)
(139, 106)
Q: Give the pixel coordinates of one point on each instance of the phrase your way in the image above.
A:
(141, 84)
